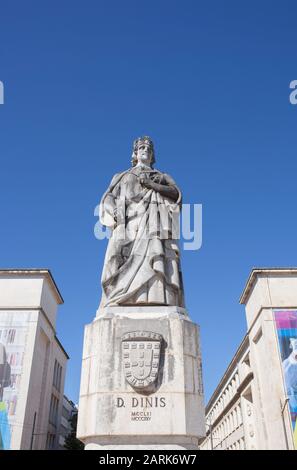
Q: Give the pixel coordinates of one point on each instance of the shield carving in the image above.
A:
(141, 357)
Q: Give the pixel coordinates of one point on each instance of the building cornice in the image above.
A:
(46, 273)
(62, 348)
(256, 272)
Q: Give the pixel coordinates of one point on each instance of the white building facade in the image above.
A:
(254, 406)
(33, 367)
(69, 409)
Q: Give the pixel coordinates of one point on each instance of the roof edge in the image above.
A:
(40, 271)
(62, 347)
(255, 272)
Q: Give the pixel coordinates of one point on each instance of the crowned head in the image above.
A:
(143, 151)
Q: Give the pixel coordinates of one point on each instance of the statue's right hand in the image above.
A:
(146, 182)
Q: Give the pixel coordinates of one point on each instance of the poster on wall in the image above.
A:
(286, 326)
(13, 338)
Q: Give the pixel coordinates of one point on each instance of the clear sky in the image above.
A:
(209, 82)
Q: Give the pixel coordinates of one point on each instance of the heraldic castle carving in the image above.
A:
(141, 384)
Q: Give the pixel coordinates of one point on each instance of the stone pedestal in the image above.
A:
(141, 384)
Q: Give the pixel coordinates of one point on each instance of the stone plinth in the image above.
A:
(166, 414)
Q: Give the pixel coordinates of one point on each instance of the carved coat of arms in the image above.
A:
(141, 357)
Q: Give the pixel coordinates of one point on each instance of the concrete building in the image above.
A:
(34, 361)
(255, 404)
(68, 410)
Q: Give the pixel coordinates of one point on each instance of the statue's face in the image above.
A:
(144, 153)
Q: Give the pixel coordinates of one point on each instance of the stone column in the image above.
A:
(141, 384)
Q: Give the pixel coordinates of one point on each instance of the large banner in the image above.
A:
(286, 326)
(13, 338)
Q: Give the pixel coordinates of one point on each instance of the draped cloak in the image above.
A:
(142, 264)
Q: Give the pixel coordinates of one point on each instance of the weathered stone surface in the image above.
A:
(141, 208)
(113, 413)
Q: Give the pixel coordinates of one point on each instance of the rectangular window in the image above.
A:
(65, 413)
(50, 441)
(53, 415)
(57, 375)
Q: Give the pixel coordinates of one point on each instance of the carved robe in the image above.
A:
(142, 264)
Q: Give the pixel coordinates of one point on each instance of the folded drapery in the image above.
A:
(142, 262)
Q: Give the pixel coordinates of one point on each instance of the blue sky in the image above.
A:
(209, 82)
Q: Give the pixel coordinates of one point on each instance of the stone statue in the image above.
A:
(142, 263)
(141, 385)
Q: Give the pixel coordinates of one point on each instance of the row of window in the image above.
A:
(13, 335)
(225, 397)
(65, 413)
(53, 414)
(238, 445)
(50, 441)
(226, 427)
(231, 422)
(8, 335)
(64, 431)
